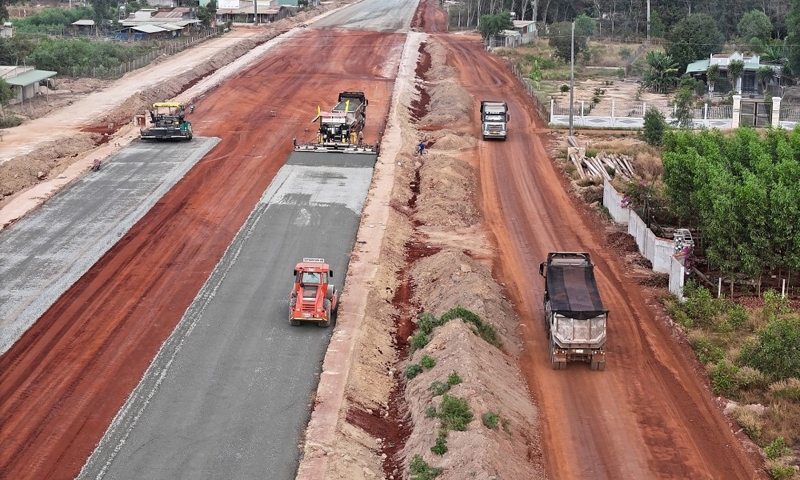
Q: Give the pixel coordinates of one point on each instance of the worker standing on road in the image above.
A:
(421, 148)
(191, 108)
(360, 138)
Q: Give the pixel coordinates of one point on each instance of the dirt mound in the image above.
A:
(452, 279)
(450, 140)
(449, 103)
(490, 384)
(446, 192)
(46, 161)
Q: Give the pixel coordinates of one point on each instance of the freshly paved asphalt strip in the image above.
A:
(47, 251)
(228, 395)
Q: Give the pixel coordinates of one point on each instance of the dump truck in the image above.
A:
(167, 122)
(574, 316)
(341, 129)
(494, 119)
(313, 298)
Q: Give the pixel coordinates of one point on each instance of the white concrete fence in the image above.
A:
(660, 251)
(723, 116)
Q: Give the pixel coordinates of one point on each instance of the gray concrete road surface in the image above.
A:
(227, 396)
(377, 15)
(45, 252)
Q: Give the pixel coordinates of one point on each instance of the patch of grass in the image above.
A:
(778, 469)
(748, 377)
(490, 420)
(704, 348)
(776, 449)
(788, 389)
(453, 379)
(10, 121)
(427, 362)
(485, 330)
(430, 412)
(750, 421)
(412, 371)
(419, 340)
(440, 447)
(439, 388)
(454, 413)
(420, 470)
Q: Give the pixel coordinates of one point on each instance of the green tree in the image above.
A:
(561, 38)
(662, 72)
(694, 38)
(654, 127)
(6, 94)
(712, 75)
(584, 26)
(3, 10)
(657, 28)
(754, 24)
(776, 350)
(495, 23)
(684, 107)
(793, 36)
(105, 11)
(735, 71)
(206, 14)
(765, 75)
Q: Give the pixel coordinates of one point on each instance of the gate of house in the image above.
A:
(755, 114)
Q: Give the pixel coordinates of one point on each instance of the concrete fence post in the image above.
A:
(552, 109)
(737, 111)
(705, 111)
(776, 112)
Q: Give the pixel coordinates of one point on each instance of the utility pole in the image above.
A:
(255, 12)
(571, 76)
(648, 22)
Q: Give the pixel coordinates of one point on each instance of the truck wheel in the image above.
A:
(593, 365)
(601, 366)
(327, 321)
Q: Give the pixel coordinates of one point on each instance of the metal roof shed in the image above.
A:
(31, 77)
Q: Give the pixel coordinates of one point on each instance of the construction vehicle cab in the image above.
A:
(313, 297)
(341, 129)
(167, 122)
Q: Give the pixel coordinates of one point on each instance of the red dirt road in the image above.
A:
(65, 379)
(647, 415)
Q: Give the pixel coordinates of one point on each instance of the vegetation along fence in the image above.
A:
(171, 48)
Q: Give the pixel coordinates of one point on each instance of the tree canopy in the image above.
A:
(755, 24)
(561, 40)
(741, 191)
(694, 38)
(495, 23)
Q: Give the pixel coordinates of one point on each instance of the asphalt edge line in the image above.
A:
(122, 425)
(326, 415)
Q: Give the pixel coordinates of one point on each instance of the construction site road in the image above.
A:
(648, 414)
(47, 251)
(86, 354)
(228, 394)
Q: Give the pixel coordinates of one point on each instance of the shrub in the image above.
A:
(778, 470)
(777, 448)
(705, 350)
(625, 53)
(775, 349)
(564, 88)
(490, 420)
(419, 340)
(426, 323)
(723, 378)
(10, 121)
(750, 421)
(412, 371)
(454, 413)
(430, 412)
(427, 362)
(737, 316)
(440, 447)
(420, 470)
(439, 388)
(748, 377)
(700, 306)
(788, 389)
(453, 379)
(655, 124)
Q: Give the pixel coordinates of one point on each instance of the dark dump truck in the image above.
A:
(574, 316)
